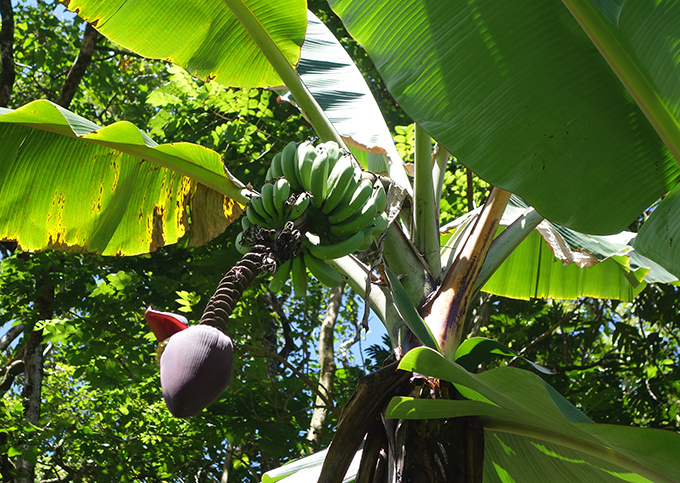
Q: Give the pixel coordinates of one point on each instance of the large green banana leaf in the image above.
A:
(68, 184)
(534, 434)
(519, 93)
(203, 36)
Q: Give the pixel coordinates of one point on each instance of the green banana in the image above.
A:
(281, 194)
(332, 151)
(246, 222)
(298, 275)
(323, 273)
(299, 207)
(340, 181)
(318, 182)
(381, 197)
(280, 277)
(288, 166)
(359, 197)
(274, 170)
(254, 217)
(305, 155)
(242, 249)
(337, 250)
(368, 238)
(267, 197)
(359, 221)
(381, 223)
(374, 231)
(258, 206)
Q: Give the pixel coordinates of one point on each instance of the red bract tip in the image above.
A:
(164, 324)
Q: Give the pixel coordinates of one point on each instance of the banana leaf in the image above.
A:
(556, 262)
(71, 185)
(204, 36)
(341, 90)
(518, 92)
(534, 434)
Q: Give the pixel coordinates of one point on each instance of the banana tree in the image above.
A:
(546, 101)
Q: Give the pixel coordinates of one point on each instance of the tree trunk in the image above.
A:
(80, 65)
(327, 372)
(7, 73)
(33, 375)
(439, 451)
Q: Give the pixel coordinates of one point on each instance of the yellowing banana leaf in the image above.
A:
(519, 93)
(203, 36)
(533, 434)
(68, 184)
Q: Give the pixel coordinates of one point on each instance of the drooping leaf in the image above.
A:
(476, 350)
(204, 36)
(71, 185)
(341, 90)
(532, 271)
(518, 92)
(516, 408)
(655, 272)
(560, 263)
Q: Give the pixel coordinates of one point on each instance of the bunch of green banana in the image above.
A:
(343, 212)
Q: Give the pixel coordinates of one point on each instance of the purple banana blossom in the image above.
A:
(195, 364)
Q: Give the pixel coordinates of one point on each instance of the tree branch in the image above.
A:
(7, 73)
(545, 334)
(275, 305)
(13, 370)
(10, 335)
(583, 367)
(77, 72)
